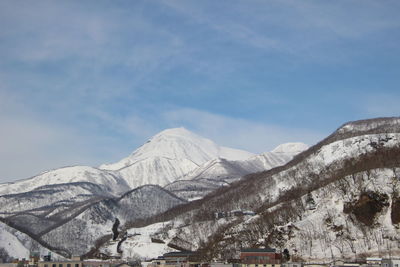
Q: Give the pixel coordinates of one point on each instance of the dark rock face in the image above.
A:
(395, 213)
(115, 229)
(367, 207)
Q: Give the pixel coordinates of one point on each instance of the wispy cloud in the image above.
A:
(246, 134)
(290, 26)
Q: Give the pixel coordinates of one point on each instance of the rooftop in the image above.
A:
(179, 254)
(258, 250)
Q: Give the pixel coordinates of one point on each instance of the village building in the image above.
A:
(177, 259)
(374, 262)
(292, 264)
(260, 257)
(222, 264)
(314, 264)
(76, 261)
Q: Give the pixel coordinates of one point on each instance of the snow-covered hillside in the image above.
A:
(139, 242)
(337, 199)
(297, 194)
(19, 245)
(79, 235)
(290, 148)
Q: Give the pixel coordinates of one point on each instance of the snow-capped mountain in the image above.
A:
(170, 155)
(179, 143)
(56, 207)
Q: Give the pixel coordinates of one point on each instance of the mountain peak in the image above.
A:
(176, 133)
(179, 131)
(180, 143)
(169, 155)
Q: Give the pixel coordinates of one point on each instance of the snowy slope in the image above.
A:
(139, 242)
(217, 172)
(340, 232)
(223, 168)
(290, 148)
(11, 244)
(109, 180)
(170, 155)
(18, 245)
(49, 198)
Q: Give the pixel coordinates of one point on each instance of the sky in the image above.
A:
(87, 82)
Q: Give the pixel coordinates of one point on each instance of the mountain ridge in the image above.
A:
(152, 166)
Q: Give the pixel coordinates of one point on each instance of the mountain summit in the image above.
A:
(169, 155)
(179, 143)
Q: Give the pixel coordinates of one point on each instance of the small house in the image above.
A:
(260, 257)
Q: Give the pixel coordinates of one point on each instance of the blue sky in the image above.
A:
(86, 82)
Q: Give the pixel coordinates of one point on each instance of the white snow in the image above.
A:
(11, 244)
(67, 175)
(290, 148)
(139, 243)
(18, 245)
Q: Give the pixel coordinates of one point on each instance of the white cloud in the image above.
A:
(253, 136)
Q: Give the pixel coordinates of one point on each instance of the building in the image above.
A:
(315, 264)
(180, 259)
(76, 262)
(60, 264)
(177, 259)
(292, 264)
(260, 256)
(375, 262)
